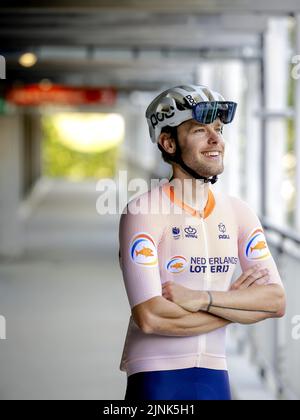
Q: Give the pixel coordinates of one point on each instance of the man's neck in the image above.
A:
(193, 192)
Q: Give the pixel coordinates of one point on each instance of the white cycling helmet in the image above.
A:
(182, 103)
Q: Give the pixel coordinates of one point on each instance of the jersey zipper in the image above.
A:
(206, 286)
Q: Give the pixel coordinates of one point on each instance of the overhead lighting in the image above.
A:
(28, 59)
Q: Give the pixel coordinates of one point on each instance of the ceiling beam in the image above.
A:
(178, 63)
(139, 37)
(109, 21)
(158, 6)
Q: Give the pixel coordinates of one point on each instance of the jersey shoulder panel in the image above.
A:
(149, 202)
(253, 245)
(245, 215)
(140, 233)
(221, 197)
(225, 204)
(240, 204)
(141, 216)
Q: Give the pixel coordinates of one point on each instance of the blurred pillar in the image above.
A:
(276, 65)
(297, 136)
(32, 151)
(232, 87)
(252, 136)
(10, 184)
(142, 157)
(276, 76)
(129, 147)
(227, 78)
(148, 153)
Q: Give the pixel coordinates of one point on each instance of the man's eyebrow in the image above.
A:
(197, 124)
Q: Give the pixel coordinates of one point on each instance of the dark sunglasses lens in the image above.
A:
(208, 112)
(227, 112)
(204, 112)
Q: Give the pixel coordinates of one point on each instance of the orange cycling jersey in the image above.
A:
(199, 250)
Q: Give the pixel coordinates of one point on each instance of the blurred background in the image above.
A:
(76, 80)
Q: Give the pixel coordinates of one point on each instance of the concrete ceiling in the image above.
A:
(131, 43)
(166, 6)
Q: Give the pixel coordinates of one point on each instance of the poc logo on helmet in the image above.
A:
(160, 116)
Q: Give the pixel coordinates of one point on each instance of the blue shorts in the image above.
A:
(180, 384)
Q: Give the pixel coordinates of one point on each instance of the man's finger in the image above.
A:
(249, 277)
(262, 281)
(253, 278)
(167, 285)
(246, 273)
(252, 273)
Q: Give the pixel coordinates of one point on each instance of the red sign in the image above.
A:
(55, 94)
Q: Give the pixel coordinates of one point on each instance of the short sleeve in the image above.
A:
(139, 235)
(252, 244)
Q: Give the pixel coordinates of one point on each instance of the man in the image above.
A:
(178, 262)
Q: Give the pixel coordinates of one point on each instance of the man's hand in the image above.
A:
(188, 299)
(196, 300)
(253, 277)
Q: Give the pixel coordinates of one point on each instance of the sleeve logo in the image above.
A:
(176, 264)
(256, 246)
(143, 250)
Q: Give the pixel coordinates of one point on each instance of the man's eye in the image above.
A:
(199, 130)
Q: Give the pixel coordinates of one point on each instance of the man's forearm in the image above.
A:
(191, 324)
(250, 305)
(173, 320)
(240, 316)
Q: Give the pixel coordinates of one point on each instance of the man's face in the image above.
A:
(197, 142)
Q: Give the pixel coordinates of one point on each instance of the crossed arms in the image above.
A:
(185, 312)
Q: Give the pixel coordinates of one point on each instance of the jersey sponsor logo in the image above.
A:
(212, 264)
(256, 246)
(222, 229)
(176, 264)
(176, 232)
(191, 232)
(143, 250)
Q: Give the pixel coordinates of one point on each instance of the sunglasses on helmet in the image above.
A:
(208, 112)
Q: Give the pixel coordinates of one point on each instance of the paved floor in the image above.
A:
(65, 304)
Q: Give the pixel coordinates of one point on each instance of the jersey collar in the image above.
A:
(210, 205)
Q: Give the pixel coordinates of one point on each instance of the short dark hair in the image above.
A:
(173, 134)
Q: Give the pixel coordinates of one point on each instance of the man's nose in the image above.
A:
(213, 136)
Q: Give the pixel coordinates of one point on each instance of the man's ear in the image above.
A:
(167, 142)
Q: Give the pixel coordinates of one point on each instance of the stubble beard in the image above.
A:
(206, 169)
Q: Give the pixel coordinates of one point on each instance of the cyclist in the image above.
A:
(178, 262)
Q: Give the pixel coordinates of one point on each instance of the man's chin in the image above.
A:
(220, 171)
(215, 173)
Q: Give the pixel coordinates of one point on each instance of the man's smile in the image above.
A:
(212, 155)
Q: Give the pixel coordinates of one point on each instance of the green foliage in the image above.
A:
(2, 106)
(62, 161)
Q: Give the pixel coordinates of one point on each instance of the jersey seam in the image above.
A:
(219, 356)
